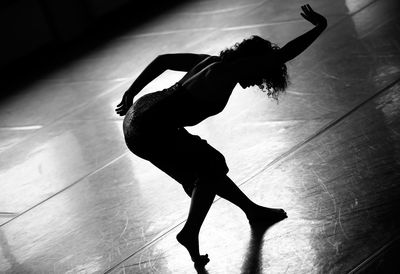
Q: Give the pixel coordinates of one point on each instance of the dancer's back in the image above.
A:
(200, 94)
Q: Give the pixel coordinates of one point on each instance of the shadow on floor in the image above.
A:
(253, 258)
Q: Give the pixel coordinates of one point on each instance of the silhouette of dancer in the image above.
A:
(154, 125)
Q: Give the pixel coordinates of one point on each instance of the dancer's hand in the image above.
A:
(126, 103)
(314, 18)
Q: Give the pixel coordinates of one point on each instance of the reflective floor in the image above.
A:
(73, 199)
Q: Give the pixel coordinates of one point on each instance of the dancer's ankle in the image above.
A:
(250, 209)
(190, 241)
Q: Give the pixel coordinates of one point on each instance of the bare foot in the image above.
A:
(265, 215)
(192, 245)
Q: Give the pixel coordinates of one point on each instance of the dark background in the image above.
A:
(38, 35)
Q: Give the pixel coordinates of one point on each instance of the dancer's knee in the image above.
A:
(211, 181)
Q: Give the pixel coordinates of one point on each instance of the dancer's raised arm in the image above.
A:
(299, 44)
(178, 62)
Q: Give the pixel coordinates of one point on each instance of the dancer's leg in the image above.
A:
(225, 188)
(228, 190)
(202, 198)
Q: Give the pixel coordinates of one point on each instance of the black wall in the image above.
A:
(37, 35)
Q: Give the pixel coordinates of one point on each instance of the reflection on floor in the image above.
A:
(73, 199)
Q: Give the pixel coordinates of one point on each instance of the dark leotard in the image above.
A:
(154, 130)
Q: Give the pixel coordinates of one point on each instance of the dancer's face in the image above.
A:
(250, 73)
(245, 83)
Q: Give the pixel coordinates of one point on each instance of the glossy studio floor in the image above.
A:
(74, 199)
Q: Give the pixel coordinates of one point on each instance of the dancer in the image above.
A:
(154, 125)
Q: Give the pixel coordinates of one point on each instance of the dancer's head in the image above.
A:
(262, 72)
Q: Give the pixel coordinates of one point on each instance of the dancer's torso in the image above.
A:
(201, 93)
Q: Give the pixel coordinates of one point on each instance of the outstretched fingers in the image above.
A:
(121, 110)
(307, 9)
(126, 102)
(313, 17)
(305, 12)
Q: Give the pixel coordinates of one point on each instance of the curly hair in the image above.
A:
(275, 79)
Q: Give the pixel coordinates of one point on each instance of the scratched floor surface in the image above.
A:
(73, 199)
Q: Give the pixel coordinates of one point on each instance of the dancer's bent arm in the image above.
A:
(178, 62)
(291, 49)
(299, 44)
